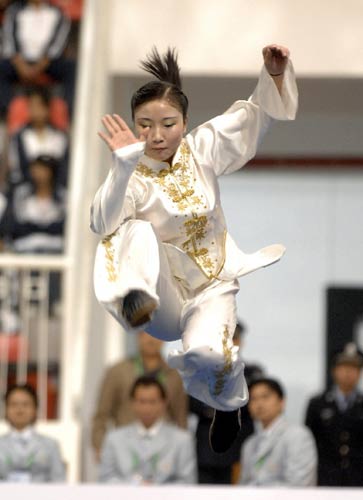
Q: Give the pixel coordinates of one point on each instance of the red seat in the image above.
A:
(12, 347)
(71, 8)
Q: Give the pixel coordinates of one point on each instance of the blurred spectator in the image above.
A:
(278, 453)
(114, 403)
(33, 221)
(216, 468)
(36, 139)
(335, 417)
(34, 38)
(149, 451)
(25, 455)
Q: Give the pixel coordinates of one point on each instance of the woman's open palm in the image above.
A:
(119, 134)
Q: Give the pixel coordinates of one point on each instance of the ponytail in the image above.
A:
(165, 67)
(168, 84)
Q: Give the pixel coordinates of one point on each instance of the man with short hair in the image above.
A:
(114, 405)
(148, 451)
(335, 417)
(278, 453)
(25, 455)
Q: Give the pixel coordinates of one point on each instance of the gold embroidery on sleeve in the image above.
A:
(110, 254)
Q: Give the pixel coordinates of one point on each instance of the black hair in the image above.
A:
(147, 381)
(168, 84)
(47, 161)
(52, 164)
(22, 387)
(271, 383)
(42, 93)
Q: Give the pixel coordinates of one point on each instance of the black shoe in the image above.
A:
(138, 307)
(224, 430)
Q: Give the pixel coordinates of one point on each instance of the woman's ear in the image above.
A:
(185, 124)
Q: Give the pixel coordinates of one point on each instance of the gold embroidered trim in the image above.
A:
(221, 375)
(177, 182)
(196, 230)
(110, 254)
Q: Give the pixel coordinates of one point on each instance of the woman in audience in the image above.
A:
(37, 138)
(33, 221)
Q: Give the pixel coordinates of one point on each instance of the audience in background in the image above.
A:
(335, 417)
(33, 221)
(278, 453)
(34, 38)
(32, 216)
(215, 468)
(114, 405)
(25, 455)
(37, 138)
(148, 451)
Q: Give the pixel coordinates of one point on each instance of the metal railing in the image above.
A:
(31, 325)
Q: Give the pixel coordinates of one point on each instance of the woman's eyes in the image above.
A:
(167, 125)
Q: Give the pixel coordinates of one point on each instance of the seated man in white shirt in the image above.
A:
(148, 451)
(25, 455)
(278, 453)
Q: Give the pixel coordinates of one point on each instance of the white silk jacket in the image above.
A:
(182, 200)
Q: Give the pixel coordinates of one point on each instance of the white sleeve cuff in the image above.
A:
(267, 96)
(128, 156)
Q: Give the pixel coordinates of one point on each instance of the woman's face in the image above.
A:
(38, 110)
(163, 126)
(41, 175)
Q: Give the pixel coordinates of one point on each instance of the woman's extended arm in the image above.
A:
(228, 141)
(111, 205)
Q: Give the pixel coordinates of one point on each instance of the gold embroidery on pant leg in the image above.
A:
(222, 375)
(110, 254)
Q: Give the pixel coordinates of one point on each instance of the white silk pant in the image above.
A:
(133, 258)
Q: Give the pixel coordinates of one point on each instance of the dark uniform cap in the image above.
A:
(350, 355)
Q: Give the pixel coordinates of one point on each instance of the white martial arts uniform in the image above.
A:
(164, 232)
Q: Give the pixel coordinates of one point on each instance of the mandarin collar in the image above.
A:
(160, 165)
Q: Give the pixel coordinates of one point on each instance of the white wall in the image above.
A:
(227, 37)
(317, 215)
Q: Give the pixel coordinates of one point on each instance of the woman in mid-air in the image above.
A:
(166, 262)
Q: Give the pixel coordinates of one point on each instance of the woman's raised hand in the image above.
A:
(119, 134)
(275, 58)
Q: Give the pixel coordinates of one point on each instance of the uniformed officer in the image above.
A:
(336, 420)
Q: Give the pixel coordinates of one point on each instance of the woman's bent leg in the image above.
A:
(132, 259)
(211, 368)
